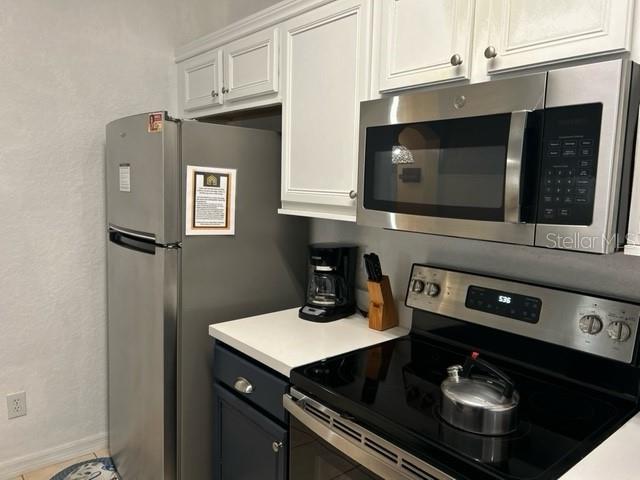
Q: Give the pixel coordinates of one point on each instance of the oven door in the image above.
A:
(453, 161)
(323, 445)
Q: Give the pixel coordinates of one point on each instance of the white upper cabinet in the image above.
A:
(240, 74)
(251, 66)
(200, 80)
(326, 64)
(524, 33)
(422, 42)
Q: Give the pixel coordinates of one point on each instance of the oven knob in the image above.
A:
(433, 289)
(591, 324)
(619, 331)
(417, 286)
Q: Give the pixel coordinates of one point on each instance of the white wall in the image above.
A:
(229, 11)
(615, 275)
(67, 67)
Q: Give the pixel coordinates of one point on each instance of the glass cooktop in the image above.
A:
(394, 390)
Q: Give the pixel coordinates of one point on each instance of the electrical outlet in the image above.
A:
(17, 404)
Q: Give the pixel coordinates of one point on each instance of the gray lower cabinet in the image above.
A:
(250, 439)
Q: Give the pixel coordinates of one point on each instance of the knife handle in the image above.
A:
(368, 266)
(376, 268)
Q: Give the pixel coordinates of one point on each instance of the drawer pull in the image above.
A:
(243, 385)
(276, 446)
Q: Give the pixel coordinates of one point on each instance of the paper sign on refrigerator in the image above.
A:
(211, 201)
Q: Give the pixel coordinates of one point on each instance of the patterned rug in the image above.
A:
(97, 469)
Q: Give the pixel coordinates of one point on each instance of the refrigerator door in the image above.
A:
(260, 269)
(142, 306)
(142, 177)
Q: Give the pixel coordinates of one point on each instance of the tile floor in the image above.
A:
(48, 472)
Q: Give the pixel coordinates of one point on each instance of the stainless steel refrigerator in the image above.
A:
(165, 288)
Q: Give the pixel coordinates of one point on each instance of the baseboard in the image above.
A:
(12, 468)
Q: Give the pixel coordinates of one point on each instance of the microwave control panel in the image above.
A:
(569, 164)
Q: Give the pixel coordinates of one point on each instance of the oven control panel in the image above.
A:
(595, 325)
(569, 164)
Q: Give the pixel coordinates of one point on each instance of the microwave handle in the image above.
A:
(513, 174)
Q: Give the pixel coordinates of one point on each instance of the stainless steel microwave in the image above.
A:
(542, 159)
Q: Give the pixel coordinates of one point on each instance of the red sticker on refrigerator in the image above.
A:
(155, 122)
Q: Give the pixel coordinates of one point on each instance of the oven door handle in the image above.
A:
(341, 444)
(513, 172)
(384, 468)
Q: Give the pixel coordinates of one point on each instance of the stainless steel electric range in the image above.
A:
(564, 362)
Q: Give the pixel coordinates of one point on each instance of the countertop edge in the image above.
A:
(243, 334)
(272, 362)
(254, 353)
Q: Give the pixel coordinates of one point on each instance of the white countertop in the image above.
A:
(282, 341)
(616, 458)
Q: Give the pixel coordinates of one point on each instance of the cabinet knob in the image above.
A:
(243, 385)
(276, 446)
(225, 90)
(456, 60)
(352, 194)
(214, 94)
(490, 52)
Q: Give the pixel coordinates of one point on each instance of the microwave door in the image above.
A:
(458, 178)
(449, 169)
(415, 173)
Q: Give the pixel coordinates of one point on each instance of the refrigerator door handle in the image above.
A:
(141, 237)
(147, 237)
(131, 242)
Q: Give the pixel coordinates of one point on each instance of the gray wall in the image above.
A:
(614, 275)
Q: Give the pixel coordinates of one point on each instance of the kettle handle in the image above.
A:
(473, 361)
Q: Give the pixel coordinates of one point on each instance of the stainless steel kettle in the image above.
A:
(482, 404)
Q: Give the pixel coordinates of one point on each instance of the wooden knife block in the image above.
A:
(382, 309)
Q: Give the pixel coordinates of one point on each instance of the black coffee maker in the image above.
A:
(331, 282)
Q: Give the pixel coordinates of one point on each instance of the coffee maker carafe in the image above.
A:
(330, 283)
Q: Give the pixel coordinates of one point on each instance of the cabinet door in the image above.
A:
(424, 42)
(525, 33)
(326, 65)
(247, 444)
(200, 79)
(251, 66)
